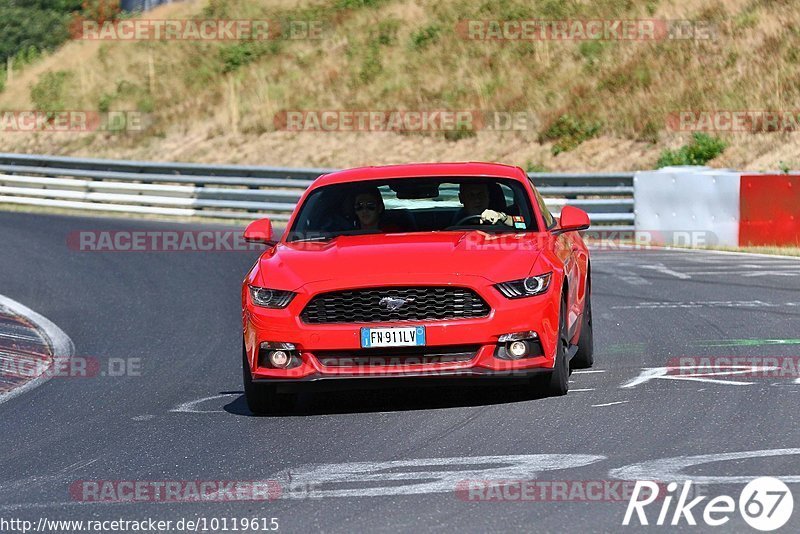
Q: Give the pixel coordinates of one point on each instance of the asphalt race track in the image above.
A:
(183, 418)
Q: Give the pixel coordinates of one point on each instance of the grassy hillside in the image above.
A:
(595, 104)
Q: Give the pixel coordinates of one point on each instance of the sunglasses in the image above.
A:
(371, 206)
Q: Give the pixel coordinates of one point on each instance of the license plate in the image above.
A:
(412, 336)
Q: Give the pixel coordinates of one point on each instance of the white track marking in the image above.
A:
(668, 250)
(588, 371)
(679, 373)
(697, 304)
(63, 348)
(633, 279)
(670, 469)
(17, 487)
(745, 274)
(608, 404)
(400, 477)
(189, 407)
(70, 504)
(770, 273)
(424, 475)
(663, 269)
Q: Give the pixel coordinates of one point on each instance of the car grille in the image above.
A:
(422, 304)
(398, 356)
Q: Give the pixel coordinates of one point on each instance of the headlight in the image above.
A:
(270, 298)
(525, 287)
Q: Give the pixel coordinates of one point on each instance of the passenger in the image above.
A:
(369, 209)
(476, 201)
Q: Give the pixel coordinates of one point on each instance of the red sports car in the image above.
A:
(423, 271)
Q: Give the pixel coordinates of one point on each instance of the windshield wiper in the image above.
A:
(315, 238)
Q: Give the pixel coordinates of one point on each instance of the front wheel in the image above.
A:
(262, 399)
(556, 383)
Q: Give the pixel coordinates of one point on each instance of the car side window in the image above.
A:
(549, 220)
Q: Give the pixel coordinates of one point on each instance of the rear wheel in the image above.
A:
(556, 383)
(263, 399)
(584, 358)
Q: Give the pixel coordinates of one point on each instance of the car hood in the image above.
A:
(496, 257)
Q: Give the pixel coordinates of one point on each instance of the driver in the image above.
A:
(475, 199)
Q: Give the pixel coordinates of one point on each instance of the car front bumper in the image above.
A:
(314, 341)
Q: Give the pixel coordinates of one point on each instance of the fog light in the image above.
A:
(279, 359)
(518, 349)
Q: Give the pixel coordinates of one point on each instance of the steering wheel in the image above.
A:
(464, 219)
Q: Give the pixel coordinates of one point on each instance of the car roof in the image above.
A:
(417, 170)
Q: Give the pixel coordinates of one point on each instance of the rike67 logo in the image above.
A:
(765, 504)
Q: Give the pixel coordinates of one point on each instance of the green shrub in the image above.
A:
(371, 66)
(648, 132)
(217, 9)
(568, 132)
(356, 4)
(507, 9)
(104, 104)
(745, 20)
(530, 166)
(626, 78)
(591, 50)
(387, 32)
(240, 54)
(462, 132)
(556, 9)
(651, 6)
(49, 92)
(41, 25)
(702, 149)
(146, 104)
(423, 37)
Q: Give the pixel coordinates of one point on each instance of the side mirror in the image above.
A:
(572, 219)
(259, 231)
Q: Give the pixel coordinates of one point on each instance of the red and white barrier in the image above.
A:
(717, 207)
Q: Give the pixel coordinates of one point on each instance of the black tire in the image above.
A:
(556, 383)
(263, 399)
(584, 358)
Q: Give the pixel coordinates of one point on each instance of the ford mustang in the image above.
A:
(418, 271)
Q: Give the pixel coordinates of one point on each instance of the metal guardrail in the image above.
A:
(242, 191)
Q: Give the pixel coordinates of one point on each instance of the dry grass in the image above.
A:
(202, 109)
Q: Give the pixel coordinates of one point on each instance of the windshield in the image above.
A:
(414, 205)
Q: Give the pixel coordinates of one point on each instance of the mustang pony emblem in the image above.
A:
(393, 304)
